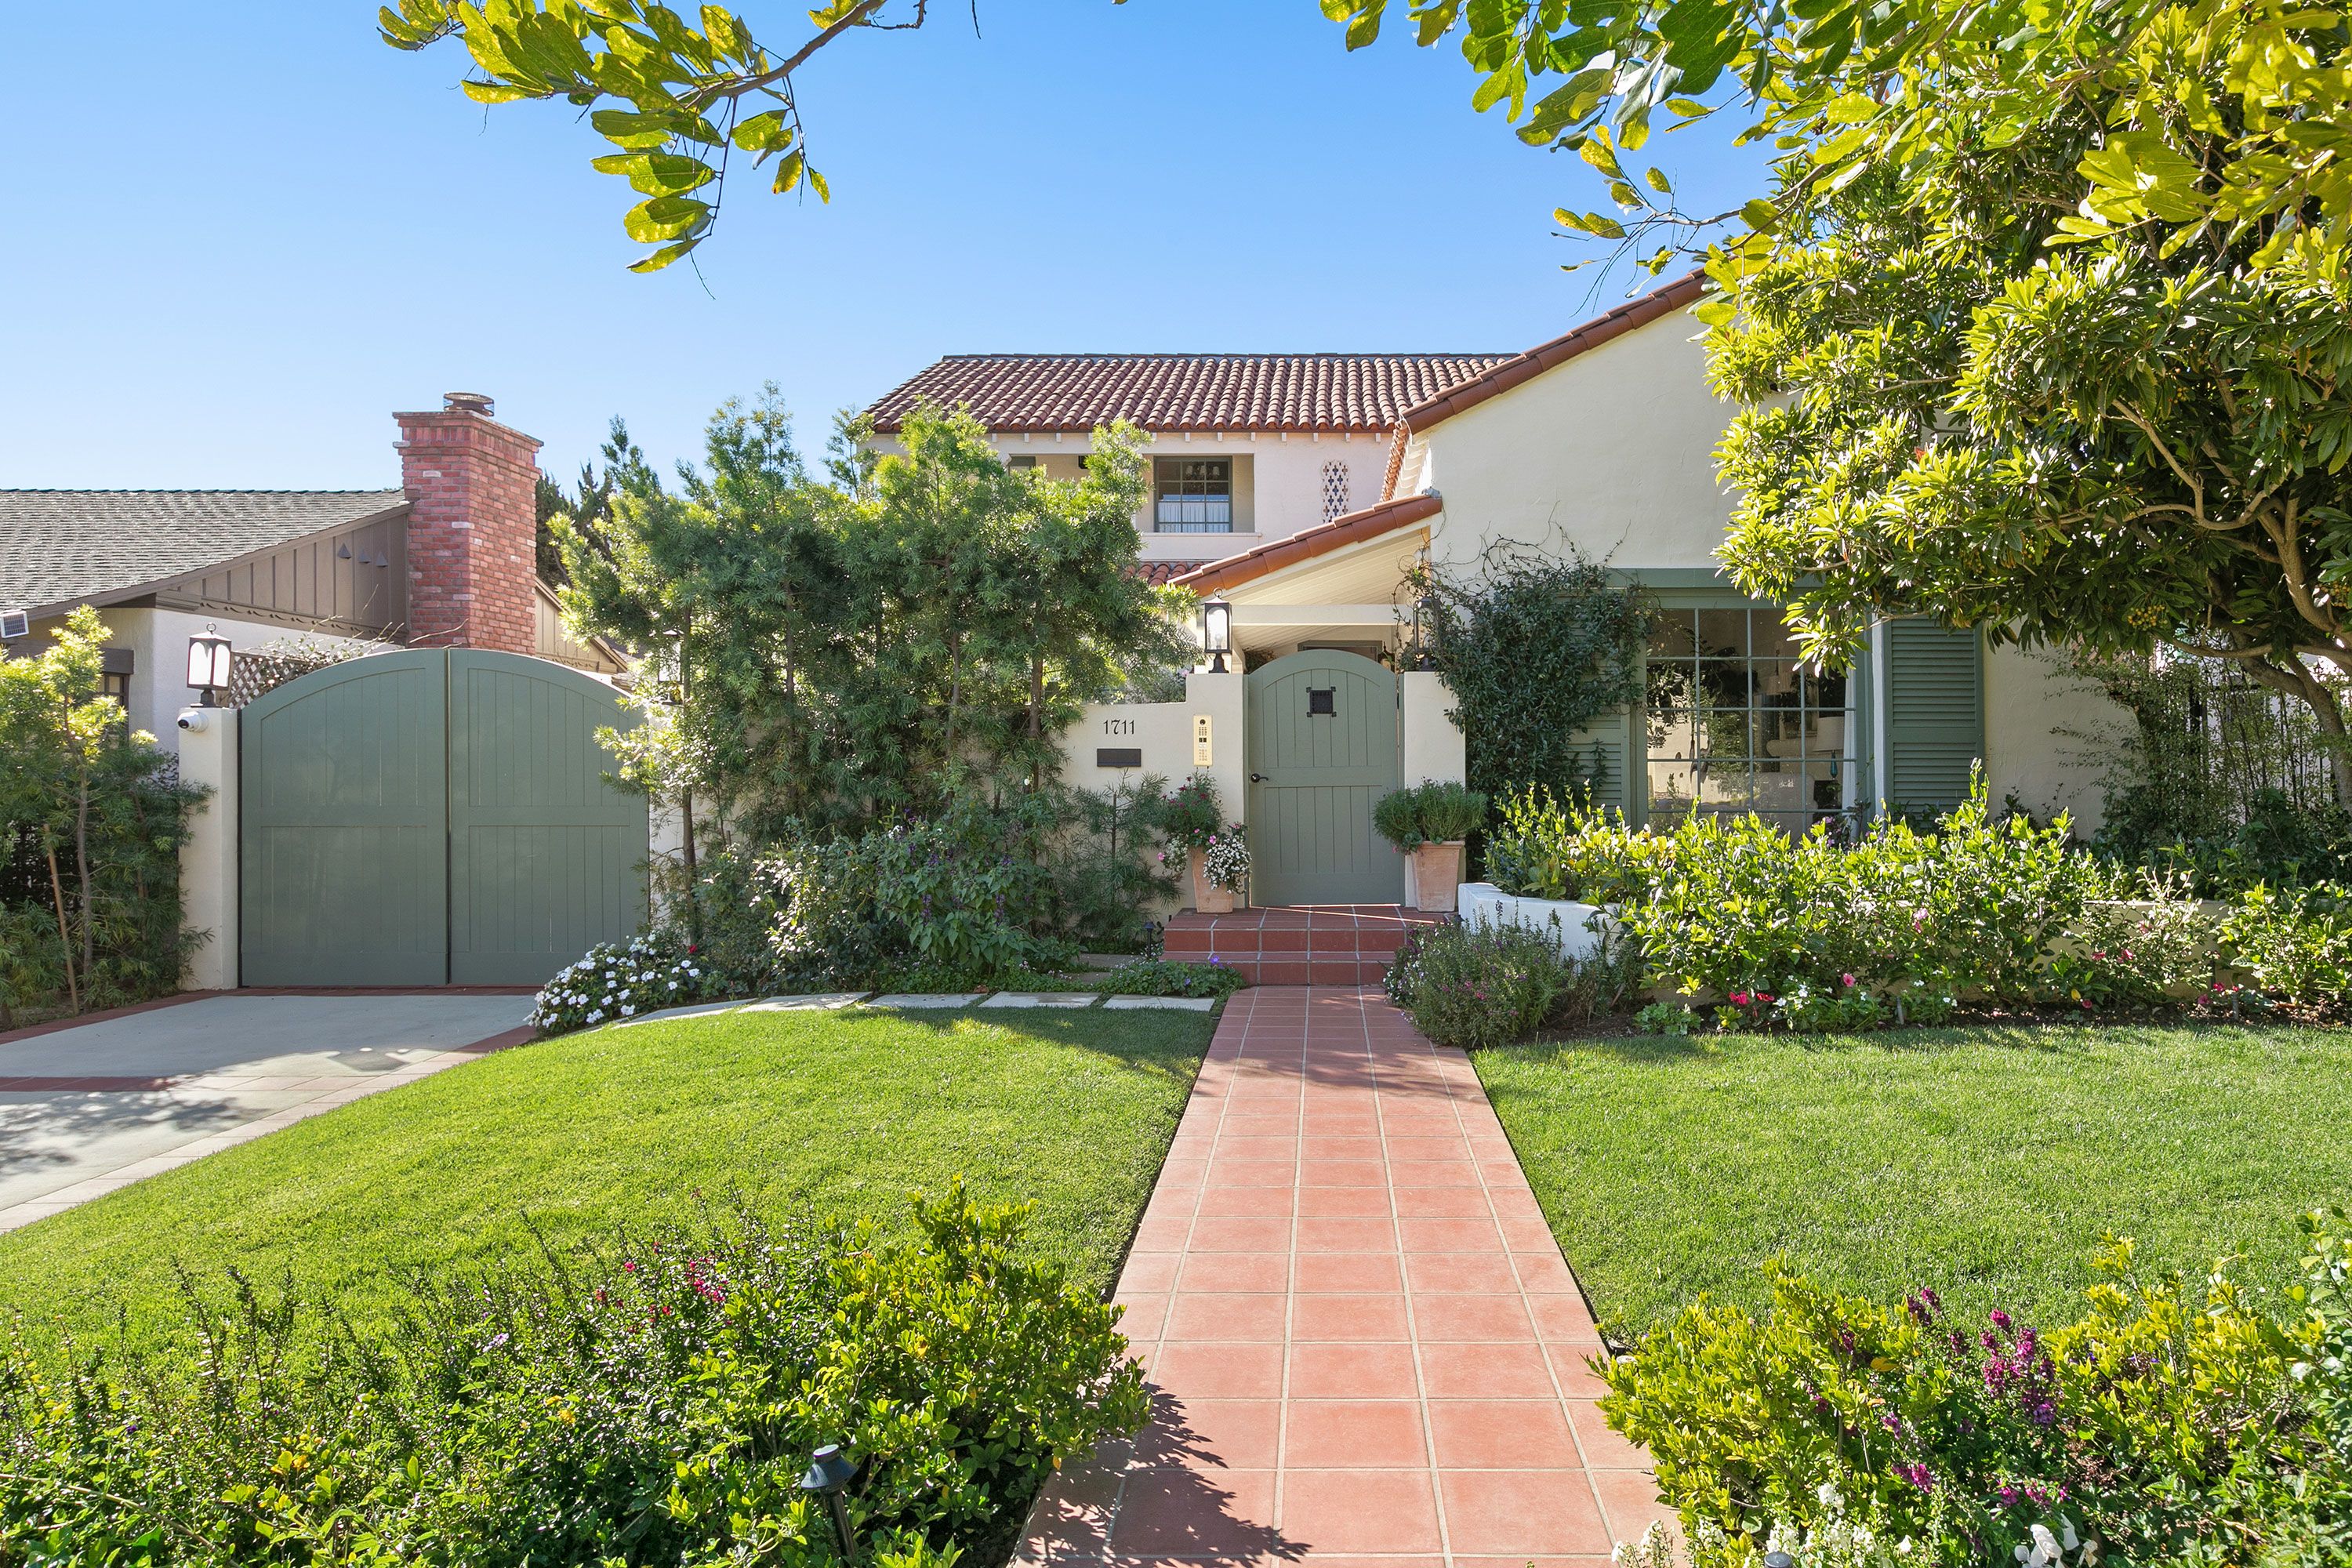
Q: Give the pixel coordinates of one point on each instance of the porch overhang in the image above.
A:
(1344, 581)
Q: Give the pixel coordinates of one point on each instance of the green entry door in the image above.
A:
(1322, 750)
(545, 856)
(344, 860)
(432, 817)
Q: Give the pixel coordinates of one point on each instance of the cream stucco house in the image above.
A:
(1601, 439)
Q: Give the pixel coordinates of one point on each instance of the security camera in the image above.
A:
(194, 720)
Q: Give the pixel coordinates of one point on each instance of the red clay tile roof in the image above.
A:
(1185, 392)
(1310, 542)
(1160, 574)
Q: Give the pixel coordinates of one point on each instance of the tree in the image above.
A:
(1948, 408)
(2217, 119)
(832, 653)
(77, 782)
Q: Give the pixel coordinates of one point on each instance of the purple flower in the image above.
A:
(2001, 1319)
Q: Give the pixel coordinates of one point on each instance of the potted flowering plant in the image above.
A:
(1430, 823)
(1191, 819)
(1222, 870)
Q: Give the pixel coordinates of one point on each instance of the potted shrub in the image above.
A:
(1430, 823)
(1222, 870)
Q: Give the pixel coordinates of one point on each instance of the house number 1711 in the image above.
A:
(1118, 726)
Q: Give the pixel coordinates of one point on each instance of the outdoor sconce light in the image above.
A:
(828, 1474)
(208, 665)
(1216, 633)
(1424, 626)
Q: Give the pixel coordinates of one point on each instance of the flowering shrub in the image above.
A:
(1225, 858)
(2154, 950)
(619, 980)
(1190, 815)
(1487, 987)
(2162, 1423)
(654, 1400)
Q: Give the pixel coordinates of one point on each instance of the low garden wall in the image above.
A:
(1576, 929)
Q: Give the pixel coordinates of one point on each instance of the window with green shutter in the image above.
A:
(1935, 714)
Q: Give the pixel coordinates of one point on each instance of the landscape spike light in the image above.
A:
(828, 1475)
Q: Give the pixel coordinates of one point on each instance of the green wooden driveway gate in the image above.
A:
(433, 818)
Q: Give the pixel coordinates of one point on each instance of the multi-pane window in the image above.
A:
(1193, 495)
(1737, 724)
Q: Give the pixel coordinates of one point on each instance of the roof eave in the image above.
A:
(1373, 521)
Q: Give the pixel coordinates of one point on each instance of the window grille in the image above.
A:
(1335, 490)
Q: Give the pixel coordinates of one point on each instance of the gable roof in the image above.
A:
(64, 547)
(1386, 517)
(1679, 295)
(1302, 392)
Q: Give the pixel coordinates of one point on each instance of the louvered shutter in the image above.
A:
(1601, 756)
(1935, 714)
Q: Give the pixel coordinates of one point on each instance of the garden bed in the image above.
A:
(844, 1111)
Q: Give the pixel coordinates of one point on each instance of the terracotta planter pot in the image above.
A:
(1207, 897)
(1436, 873)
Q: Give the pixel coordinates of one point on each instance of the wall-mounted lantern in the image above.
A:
(1216, 633)
(208, 665)
(1424, 628)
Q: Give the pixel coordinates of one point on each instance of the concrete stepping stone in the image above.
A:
(1042, 999)
(822, 1001)
(1162, 1003)
(917, 1000)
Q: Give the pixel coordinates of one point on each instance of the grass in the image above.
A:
(845, 1112)
(1989, 1162)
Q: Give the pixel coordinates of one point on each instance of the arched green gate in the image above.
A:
(433, 818)
(1322, 750)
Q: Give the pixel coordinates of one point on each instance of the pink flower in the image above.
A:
(1847, 978)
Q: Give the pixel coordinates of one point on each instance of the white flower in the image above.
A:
(673, 984)
(597, 1016)
(1828, 1494)
(628, 1009)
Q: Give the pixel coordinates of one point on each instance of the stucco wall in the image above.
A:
(2048, 736)
(1612, 452)
(1432, 746)
(1277, 481)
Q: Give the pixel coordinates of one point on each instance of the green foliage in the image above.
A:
(2131, 443)
(652, 1400)
(835, 652)
(92, 816)
(1108, 872)
(2294, 944)
(1534, 646)
(1577, 852)
(1161, 978)
(1430, 811)
(962, 896)
(1191, 814)
(2225, 123)
(2159, 1427)
(1493, 986)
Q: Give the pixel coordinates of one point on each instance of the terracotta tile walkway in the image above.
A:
(1363, 1338)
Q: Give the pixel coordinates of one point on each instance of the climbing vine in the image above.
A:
(1536, 647)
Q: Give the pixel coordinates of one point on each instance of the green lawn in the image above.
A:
(845, 1111)
(1985, 1162)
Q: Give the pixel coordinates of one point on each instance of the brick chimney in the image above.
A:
(472, 522)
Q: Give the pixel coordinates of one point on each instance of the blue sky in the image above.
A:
(270, 230)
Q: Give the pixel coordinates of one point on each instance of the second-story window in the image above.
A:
(1193, 495)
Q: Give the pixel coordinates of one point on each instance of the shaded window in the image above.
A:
(1736, 724)
(1193, 495)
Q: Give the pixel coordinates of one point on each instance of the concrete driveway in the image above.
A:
(86, 1109)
